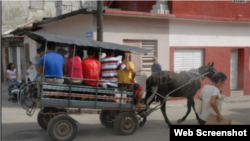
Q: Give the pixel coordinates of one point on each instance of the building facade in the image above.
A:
(183, 35)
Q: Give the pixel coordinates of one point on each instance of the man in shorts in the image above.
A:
(128, 76)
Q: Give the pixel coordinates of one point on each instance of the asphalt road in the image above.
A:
(16, 125)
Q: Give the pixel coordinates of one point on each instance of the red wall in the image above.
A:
(225, 9)
(140, 6)
(247, 71)
(221, 57)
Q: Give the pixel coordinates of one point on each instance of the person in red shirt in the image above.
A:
(91, 69)
(76, 76)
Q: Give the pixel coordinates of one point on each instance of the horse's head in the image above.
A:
(209, 68)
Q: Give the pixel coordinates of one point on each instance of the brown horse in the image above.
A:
(183, 84)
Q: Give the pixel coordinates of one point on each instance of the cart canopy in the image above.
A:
(61, 40)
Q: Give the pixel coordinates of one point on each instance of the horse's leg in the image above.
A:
(190, 102)
(148, 95)
(196, 115)
(145, 117)
(163, 110)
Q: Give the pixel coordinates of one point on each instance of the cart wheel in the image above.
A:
(106, 119)
(62, 128)
(126, 123)
(43, 120)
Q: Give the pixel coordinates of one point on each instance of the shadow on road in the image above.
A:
(31, 131)
(243, 118)
(9, 104)
(241, 110)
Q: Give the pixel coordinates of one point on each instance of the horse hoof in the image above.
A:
(179, 121)
(141, 124)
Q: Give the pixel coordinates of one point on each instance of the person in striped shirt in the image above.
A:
(109, 68)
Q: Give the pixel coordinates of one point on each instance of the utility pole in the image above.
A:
(99, 20)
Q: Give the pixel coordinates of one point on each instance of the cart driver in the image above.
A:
(110, 65)
(128, 76)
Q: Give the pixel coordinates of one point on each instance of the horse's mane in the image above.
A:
(193, 70)
(185, 75)
(168, 77)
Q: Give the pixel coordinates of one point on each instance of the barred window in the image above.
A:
(147, 60)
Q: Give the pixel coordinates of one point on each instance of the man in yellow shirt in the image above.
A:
(127, 76)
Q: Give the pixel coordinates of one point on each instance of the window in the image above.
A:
(186, 59)
(147, 60)
(39, 5)
(239, 1)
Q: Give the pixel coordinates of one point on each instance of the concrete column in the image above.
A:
(18, 65)
(4, 65)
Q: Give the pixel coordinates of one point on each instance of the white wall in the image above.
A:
(17, 13)
(116, 29)
(32, 47)
(76, 26)
(208, 33)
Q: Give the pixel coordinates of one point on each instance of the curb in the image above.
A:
(185, 105)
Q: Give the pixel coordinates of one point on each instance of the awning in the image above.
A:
(60, 40)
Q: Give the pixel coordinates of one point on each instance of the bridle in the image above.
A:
(209, 75)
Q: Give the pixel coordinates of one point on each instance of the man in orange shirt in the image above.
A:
(91, 69)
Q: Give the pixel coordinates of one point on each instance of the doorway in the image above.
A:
(234, 70)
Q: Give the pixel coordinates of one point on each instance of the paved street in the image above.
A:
(16, 125)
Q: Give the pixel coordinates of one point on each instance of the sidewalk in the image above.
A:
(178, 103)
(183, 103)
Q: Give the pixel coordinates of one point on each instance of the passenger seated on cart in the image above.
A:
(109, 69)
(76, 75)
(12, 76)
(128, 78)
(54, 64)
(91, 69)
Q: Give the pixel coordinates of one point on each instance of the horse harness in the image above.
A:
(192, 78)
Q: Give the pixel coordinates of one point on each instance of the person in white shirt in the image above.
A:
(212, 98)
(31, 72)
(12, 75)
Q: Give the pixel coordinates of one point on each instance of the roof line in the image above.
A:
(64, 16)
(135, 13)
(172, 16)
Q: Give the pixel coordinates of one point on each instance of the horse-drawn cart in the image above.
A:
(58, 101)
